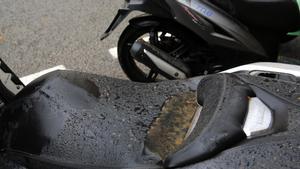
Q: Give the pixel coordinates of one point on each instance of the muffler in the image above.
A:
(158, 60)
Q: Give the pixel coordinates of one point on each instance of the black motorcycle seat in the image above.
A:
(78, 120)
(276, 15)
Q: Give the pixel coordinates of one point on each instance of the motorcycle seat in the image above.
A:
(276, 15)
(75, 120)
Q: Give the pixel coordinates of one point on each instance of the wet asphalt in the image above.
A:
(39, 34)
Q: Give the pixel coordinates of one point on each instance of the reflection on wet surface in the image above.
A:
(168, 131)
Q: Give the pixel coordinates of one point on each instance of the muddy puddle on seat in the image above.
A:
(169, 130)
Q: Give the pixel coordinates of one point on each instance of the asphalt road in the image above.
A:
(39, 34)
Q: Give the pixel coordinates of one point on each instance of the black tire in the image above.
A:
(133, 32)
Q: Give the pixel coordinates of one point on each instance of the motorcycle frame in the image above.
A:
(201, 17)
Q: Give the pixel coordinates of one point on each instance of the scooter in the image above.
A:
(176, 39)
(72, 120)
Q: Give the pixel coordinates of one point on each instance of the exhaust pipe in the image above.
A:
(158, 60)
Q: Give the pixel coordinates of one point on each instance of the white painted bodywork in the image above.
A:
(268, 66)
(259, 117)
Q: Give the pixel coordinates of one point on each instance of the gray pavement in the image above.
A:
(39, 34)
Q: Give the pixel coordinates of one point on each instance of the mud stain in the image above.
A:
(168, 131)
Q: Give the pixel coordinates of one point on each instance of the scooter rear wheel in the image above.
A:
(172, 33)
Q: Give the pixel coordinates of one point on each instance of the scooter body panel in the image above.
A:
(201, 18)
(192, 15)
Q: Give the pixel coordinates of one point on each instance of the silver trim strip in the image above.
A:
(166, 67)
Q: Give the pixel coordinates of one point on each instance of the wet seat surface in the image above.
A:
(82, 119)
(103, 122)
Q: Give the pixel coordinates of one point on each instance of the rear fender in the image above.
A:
(145, 20)
(154, 7)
